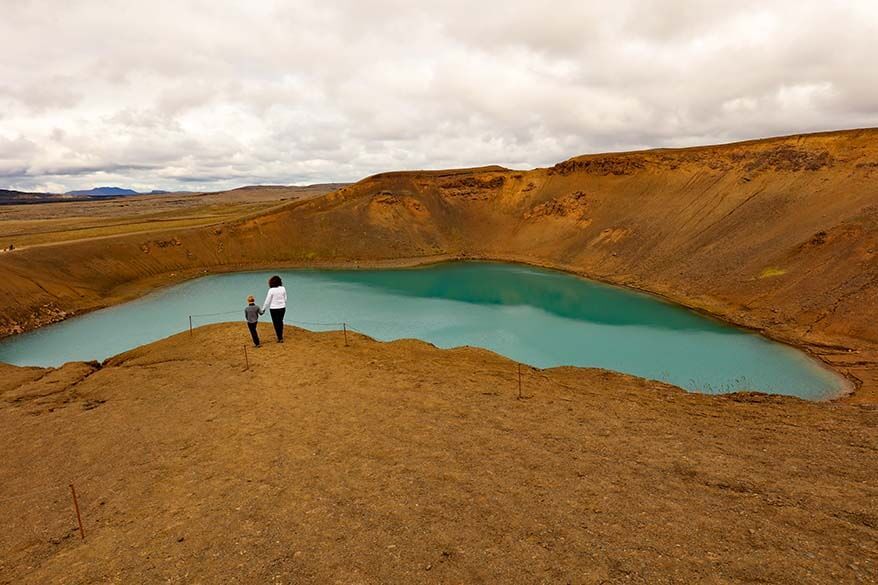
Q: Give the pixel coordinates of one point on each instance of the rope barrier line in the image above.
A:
(217, 314)
(152, 446)
(345, 325)
(98, 491)
(241, 311)
(525, 371)
(155, 452)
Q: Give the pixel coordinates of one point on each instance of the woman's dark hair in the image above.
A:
(274, 281)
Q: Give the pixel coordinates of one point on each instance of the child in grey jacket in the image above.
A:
(251, 314)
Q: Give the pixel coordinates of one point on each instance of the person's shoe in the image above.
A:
(257, 346)
(280, 340)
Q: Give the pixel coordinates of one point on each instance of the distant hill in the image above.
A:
(104, 192)
(11, 196)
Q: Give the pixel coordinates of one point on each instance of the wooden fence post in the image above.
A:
(76, 507)
(519, 381)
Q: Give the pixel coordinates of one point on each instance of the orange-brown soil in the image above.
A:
(779, 234)
(401, 463)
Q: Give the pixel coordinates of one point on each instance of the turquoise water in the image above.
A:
(540, 317)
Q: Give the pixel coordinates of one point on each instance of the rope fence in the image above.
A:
(217, 314)
(518, 376)
(345, 326)
(59, 490)
(95, 491)
(337, 324)
(521, 372)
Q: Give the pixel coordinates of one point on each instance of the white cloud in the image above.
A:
(203, 94)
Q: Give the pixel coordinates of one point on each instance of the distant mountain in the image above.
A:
(104, 192)
(11, 196)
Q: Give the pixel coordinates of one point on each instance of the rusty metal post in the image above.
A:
(344, 327)
(190, 325)
(76, 507)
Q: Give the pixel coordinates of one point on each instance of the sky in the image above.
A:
(212, 94)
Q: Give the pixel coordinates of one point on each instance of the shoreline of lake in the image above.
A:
(568, 280)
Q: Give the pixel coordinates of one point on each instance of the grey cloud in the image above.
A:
(50, 93)
(212, 95)
(12, 171)
(77, 170)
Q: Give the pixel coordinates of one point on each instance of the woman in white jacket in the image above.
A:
(276, 304)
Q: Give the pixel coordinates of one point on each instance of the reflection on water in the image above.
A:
(554, 292)
(540, 317)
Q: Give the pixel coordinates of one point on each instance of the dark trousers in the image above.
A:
(277, 318)
(253, 333)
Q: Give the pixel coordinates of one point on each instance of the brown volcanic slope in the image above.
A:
(401, 463)
(779, 234)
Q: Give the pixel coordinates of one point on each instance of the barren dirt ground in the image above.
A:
(399, 462)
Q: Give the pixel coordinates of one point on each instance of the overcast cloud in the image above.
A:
(197, 95)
